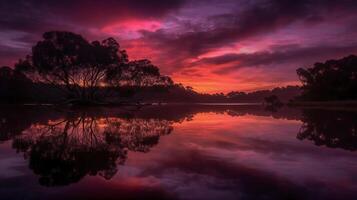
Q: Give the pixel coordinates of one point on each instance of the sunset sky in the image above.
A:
(211, 45)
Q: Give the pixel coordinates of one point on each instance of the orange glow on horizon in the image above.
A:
(212, 87)
(245, 81)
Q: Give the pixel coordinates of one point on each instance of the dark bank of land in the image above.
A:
(329, 84)
(66, 69)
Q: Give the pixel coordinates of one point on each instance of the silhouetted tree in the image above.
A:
(69, 61)
(273, 103)
(332, 80)
(140, 73)
(273, 100)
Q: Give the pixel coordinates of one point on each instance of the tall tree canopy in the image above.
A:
(81, 68)
(68, 60)
(138, 73)
(332, 80)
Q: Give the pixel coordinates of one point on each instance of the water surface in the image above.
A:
(177, 152)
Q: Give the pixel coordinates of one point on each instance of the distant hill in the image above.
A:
(178, 93)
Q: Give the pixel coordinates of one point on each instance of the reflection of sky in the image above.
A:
(216, 156)
(9, 161)
(249, 143)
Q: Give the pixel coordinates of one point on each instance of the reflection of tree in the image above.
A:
(137, 134)
(331, 128)
(64, 151)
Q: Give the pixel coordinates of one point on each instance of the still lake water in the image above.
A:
(177, 152)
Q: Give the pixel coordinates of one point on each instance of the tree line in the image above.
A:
(332, 80)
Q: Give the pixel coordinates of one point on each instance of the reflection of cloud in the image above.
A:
(202, 172)
(245, 155)
(195, 175)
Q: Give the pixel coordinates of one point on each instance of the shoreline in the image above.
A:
(297, 104)
(323, 103)
(350, 105)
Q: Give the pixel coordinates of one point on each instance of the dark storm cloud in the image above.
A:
(267, 58)
(186, 29)
(28, 19)
(257, 18)
(19, 15)
(33, 14)
(98, 13)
